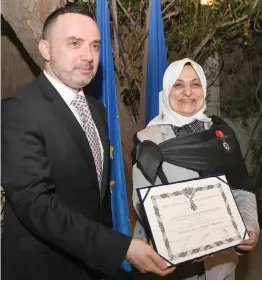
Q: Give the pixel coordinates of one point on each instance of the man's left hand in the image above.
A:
(248, 245)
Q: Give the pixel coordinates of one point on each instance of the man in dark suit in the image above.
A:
(55, 167)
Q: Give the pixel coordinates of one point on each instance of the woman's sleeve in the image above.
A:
(247, 205)
(138, 181)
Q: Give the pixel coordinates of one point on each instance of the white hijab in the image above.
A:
(166, 114)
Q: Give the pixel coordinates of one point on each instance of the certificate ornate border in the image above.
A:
(199, 249)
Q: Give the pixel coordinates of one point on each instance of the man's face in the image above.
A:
(74, 42)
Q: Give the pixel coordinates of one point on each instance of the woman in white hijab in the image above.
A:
(181, 112)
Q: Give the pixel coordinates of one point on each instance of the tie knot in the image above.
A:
(79, 101)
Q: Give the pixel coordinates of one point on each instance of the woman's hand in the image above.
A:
(248, 245)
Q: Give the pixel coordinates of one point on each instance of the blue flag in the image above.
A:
(119, 204)
(156, 60)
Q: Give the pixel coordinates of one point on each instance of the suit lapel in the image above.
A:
(68, 120)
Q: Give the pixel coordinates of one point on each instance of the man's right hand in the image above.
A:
(145, 259)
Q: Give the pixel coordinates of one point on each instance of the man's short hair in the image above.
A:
(73, 9)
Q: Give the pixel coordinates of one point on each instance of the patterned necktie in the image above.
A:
(194, 126)
(88, 125)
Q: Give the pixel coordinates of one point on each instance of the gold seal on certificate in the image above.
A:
(191, 219)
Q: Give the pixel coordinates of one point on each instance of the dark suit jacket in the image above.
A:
(54, 214)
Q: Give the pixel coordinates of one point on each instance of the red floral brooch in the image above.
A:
(219, 134)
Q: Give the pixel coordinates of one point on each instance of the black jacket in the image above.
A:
(54, 213)
(208, 152)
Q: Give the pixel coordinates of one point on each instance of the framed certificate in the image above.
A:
(191, 219)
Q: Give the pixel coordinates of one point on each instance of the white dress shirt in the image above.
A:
(68, 95)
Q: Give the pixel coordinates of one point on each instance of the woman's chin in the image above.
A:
(187, 113)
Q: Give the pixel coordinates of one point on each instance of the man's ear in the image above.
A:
(44, 49)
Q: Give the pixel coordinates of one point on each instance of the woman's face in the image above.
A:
(187, 96)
